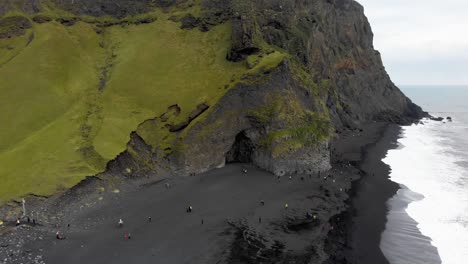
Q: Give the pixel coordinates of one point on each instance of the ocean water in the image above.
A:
(428, 217)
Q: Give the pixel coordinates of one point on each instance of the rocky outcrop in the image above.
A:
(243, 127)
(27, 6)
(13, 26)
(200, 109)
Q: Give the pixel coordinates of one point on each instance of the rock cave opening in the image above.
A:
(242, 150)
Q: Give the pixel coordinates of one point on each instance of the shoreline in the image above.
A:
(375, 200)
(369, 202)
(366, 216)
(402, 240)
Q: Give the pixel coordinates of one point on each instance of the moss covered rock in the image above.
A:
(13, 26)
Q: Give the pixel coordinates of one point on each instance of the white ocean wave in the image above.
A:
(431, 164)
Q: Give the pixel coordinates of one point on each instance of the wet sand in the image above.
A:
(402, 241)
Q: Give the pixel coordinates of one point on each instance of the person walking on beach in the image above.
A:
(59, 236)
(149, 219)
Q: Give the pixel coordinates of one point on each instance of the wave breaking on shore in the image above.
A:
(432, 206)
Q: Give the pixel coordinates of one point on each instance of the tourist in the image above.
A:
(59, 236)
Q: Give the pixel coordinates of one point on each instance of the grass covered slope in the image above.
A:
(72, 95)
(42, 104)
(159, 65)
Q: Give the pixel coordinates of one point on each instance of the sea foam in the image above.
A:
(430, 162)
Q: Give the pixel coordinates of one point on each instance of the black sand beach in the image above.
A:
(370, 194)
(228, 223)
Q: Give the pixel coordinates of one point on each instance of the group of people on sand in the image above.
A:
(189, 209)
(28, 220)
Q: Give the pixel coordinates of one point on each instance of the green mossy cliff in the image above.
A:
(136, 88)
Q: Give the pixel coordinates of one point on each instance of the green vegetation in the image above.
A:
(72, 95)
(183, 67)
(306, 79)
(44, 91)
(313, 129)
(303, 127)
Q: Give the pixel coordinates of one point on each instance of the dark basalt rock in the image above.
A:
(201, 108)
(437, 118)
(41, 19)
(147, 20)
(189, 21)
(68, 21)
(14, 26)
(242, 41)
(26, 6)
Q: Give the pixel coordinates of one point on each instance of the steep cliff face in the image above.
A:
(332, 70)
(187, 85)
